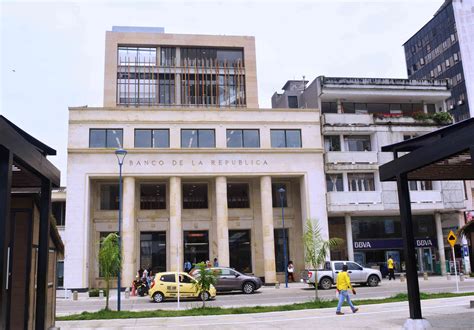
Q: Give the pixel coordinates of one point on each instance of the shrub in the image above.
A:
(442, 118)
(420, 116)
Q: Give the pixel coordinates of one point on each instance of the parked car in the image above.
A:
(228, 279)
(327, 276)
(165, 286)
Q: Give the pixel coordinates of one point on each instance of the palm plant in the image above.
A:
(205, 279)
(316, 248)
(109, 261)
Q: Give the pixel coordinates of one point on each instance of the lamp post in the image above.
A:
(120, 153)
(282, 195)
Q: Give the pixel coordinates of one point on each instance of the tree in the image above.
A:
(316, 248)
(109, 261)
(204, 280)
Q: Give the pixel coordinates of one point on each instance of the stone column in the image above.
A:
(267, 229)
(175, 235)
(129, 265)
(222, 222)
(350, 244)
(440, 239)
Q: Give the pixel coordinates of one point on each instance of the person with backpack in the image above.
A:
(343, 284)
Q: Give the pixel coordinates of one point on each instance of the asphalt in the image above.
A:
(266, 296)
(447, 313)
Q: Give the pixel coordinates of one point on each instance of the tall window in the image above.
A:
(196, 246)
(279, 255)
(332, 143)
(285, 138)
(420, 185)
(152, 138)
(198, 138)
(195, 196)
(238, 196)
(152, 196)
(276, 199)
(334, 182)
(60, 274)
(357, 142)
(293, 102)
(241, 256)
(109, 197)
(243, 138)
(153, 251)
(105, 138)
(361, 181)
(59, 212)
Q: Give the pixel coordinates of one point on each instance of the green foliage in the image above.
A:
(420, 115)
(442, 118)
(109, 261)
(108, 314)
(95, 292)
(316, 248)
(204, 280)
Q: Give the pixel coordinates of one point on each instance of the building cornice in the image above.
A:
(195, 151)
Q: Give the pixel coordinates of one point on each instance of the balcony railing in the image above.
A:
(351, 157)
(354, 197)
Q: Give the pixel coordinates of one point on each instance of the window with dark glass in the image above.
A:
(361, 181)
(285, 138)
(329, 107)
(239, 245)
(170, 278)
(420, 185)
(59, 212)
(357, 142)
(153, 251)
(276, 198)
(198, 138)
(243, 138)
(334, 182)
(196, 246)
(293, 102)
(279, 255)
(376, 227)
(109, 197)
(152, 138)
(195, 196)
(60, 274)
(332, 143)
(238, 196)
(105, 138)
(152, 196)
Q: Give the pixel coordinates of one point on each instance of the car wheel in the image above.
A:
(248, 287)
(205, 296)
(373, 280)
(325, 283)
(158, 297)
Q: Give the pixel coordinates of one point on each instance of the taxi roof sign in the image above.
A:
(452, 238)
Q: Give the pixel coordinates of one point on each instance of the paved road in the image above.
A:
(297, 292)
(449, 313)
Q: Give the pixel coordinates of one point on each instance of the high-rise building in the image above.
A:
(443, 49)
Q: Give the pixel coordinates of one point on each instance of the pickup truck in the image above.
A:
(327, 275)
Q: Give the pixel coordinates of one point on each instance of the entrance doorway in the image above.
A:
(241, 253)
(153, 251)
(196, 246)
(425, 260)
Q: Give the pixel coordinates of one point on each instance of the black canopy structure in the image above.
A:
(25, 171)
(445, 154)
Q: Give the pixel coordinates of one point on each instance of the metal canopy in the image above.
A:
(445, 154)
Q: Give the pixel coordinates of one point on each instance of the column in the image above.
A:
(267, 229)
(439, 238)
(129, 252)
(339, 106)
(350, 245)
(175, 235)
(222, 222)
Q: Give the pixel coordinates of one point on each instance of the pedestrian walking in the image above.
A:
(216, 262)
(391, 269)
(291, 270)
(343, 284)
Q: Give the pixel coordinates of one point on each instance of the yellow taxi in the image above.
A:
(165, 286)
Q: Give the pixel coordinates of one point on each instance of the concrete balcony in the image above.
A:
(347, 119)
(420, 200)
(351, 157)
(340, 201)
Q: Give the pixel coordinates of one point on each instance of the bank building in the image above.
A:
(204, 167)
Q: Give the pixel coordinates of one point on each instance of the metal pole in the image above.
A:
(455, 269)
(177, 263)
(284, 237)
(119, 288)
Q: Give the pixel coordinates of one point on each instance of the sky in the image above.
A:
(52, 53)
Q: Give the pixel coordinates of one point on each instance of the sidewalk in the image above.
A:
(446, 313)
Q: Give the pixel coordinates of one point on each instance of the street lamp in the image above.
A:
(282, 195)
(120, 153)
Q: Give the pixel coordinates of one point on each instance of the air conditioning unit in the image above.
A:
(460, 102)
(451, 107)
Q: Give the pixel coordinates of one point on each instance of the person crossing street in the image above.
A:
(343, 284)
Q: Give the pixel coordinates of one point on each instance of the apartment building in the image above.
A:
(359, 116)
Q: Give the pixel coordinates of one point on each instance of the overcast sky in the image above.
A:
(52, 53)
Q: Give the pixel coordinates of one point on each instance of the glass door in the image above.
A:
(427, 260)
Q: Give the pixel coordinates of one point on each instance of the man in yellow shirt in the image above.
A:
(343, 284)
(391, 269)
